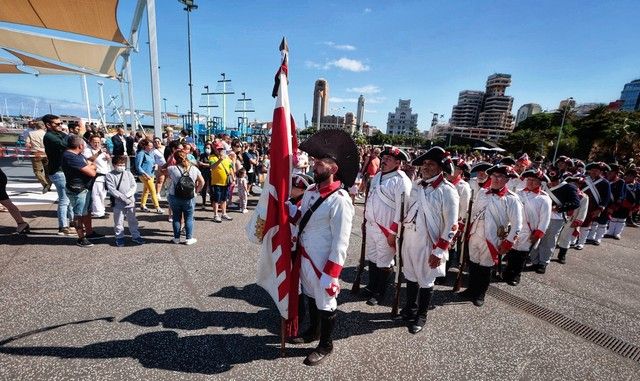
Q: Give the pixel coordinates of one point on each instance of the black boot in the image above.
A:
(483, 280)
(562, 256)
(410, 309)
(515, 267)
(370, 289)
(325, 346)
(423, 306)
(382, 282)
(472, 285)
(313, 332)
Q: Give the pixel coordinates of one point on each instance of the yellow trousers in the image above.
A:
(149, 188)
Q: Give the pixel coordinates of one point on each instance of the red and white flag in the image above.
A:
(276, 272)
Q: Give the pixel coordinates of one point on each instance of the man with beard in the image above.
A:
(385, 197)
(323, 241)
(430, 223)
(495, 225)
(598, 190)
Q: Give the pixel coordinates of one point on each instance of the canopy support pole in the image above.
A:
(85, 93)
(154, 68)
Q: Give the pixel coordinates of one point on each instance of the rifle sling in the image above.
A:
(308, 213)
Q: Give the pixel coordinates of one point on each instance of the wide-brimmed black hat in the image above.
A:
(507, 161)
(395, 152)
(438, 155)
(481, 166)
(337, 145)
(535, 173)
(614, 167)
(598, 165)
(506, 170)
(564, 159)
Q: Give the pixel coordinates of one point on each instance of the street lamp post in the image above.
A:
(568, 105)
(166, 118)
(189, 6)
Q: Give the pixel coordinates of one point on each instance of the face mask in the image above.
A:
(120, 168)
(207, 151)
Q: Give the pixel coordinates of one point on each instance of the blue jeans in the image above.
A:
(182, 207)
(65, 213)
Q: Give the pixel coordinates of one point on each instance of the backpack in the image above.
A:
(185, 187)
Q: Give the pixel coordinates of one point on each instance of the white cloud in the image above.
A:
(342, 100)
(340, 47)
(375, 100)
(368, 10)
(368, 89)
(348, 64)
(313, 65)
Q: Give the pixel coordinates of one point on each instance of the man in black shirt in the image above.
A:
(55, 143)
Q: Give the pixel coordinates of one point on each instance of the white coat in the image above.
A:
(385, 197)
(430, 223)
(536, 217)
(491, 211)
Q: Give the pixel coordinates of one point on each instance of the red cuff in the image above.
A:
(506, 245)
(332, 269)
(578, 222)
(537, 234)
(394, 227)
(442, 244)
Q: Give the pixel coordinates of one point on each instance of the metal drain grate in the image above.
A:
(605, 340)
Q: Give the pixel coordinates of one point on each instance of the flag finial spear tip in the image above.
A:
(283, 44)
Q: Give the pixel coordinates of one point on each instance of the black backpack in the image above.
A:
(185, 187)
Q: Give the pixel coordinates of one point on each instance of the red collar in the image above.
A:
(536, 191)
(499, 193)
(486, 184)
(456, 180)
(325, 190)
(433, 183)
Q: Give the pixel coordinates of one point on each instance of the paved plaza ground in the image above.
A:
(170, 312)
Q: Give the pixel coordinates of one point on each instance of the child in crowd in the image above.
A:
(122, 186)
(242, 184)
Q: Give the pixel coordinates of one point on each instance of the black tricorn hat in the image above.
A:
(614, 167)
(459, 163)
(535, 173)
(438, 155)
(481, 166)
(597, 165)
(395, 152)
(506, 170)
(507, 161)
(337, 145)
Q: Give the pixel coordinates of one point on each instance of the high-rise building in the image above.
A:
(631, 96)
(466, 112)
(360, 113)
(320, 101)
(526, 111)
(494, 119)
(402, 122)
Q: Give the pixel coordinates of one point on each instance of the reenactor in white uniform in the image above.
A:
(496, 221)
(323, 241)
(574, 219)
(598, 189)
(481, 179)
(536, 217)
(430, 223)
(386, 192)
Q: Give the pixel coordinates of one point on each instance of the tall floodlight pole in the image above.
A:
(244, 110)
(569, 104)
(189, 5)
(206, 88)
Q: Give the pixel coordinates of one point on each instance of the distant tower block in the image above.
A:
(320, 101)
(360, 113)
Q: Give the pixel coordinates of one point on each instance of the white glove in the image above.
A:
(293, 209)
(330, 284)
(438, 252)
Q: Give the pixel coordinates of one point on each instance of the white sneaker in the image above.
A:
(245, 211)
(175, 240)
(191, 241)
(226, 217)
(579, 247)
(217, 218)
(159, 211)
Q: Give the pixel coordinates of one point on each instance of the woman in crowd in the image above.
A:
(183, 205)
(5, 201)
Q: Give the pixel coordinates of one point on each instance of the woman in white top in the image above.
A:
(183, 205)
(158, 158)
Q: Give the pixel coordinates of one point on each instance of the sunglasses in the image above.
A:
(56, 124)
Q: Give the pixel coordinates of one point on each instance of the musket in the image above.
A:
(396, 299)
(465, 248)
(356, 282)
(503, 232)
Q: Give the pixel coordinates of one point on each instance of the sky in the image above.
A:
(426, 51)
